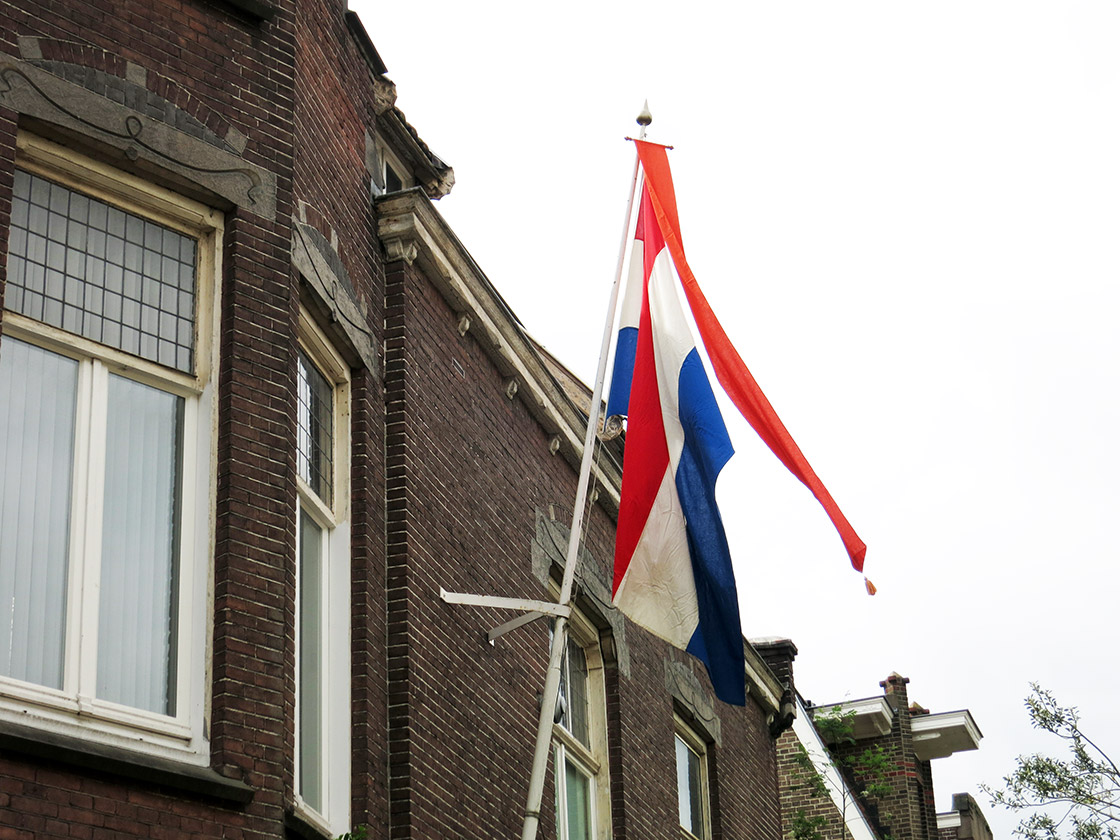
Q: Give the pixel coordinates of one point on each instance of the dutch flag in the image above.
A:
(673, 572)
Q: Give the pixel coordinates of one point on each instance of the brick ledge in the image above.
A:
(104, 758)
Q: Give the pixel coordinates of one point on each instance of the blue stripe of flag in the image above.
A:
(626, 348)
(718, 641)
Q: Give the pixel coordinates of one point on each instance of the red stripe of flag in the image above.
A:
(646, 456)
(729, 367)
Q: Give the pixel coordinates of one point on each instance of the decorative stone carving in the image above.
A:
(687, 691)
(400, 249)
(384, 95)
(782, 720)
(464, 324)
(333, 291)
(612, 428)
(441, 184)
(554, 444)
(511, 387)
(140, 136)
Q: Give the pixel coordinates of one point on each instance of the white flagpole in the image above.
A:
(560, 630)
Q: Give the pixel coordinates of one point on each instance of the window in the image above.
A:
(106, 417)
(322, 582)
(391, 175)
(692, 784)
(393, 181)
(582, 803)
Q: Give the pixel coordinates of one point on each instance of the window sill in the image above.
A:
(202, 781)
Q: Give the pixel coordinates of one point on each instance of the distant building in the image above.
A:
(890, 794)
(964, 822)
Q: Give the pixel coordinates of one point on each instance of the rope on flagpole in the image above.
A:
(560, 629)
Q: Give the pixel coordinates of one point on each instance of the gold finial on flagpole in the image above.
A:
(644, 119)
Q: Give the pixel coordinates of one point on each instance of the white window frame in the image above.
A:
(334, 519)
(74, 710)
(687, 735)
(591, 760)
(387, 159)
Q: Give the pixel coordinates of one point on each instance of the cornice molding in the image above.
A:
(414, 232)
(395, 131)
(762, 685)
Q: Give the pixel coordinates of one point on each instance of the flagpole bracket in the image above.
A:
(498, 602)
(513, 624)
(532, 609)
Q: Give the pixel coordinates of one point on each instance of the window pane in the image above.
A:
(690, 789)
(37, 405)
(578, 788)
(95, 258)
(310, 634)
(136, 639)
(315, 429)
(577, 693)
(696, 798)
(393, 181)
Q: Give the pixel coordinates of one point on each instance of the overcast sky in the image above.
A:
(906, 217)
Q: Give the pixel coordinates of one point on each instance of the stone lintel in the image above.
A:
(37, 93)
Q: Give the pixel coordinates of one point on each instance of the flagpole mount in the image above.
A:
(532, 609)
(520, 604)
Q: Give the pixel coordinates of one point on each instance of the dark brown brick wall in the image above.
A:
(461, 516)
(468, 470)
(334, 110)
(797, 799)
(448, 475)
(225, 70)
(254, 567)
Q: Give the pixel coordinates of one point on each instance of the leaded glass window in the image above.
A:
(315, 454)
(94, 270)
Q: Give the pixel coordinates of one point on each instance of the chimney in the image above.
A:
(894, 689)
(778, 654)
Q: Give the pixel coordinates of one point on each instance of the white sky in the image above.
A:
(906, 217)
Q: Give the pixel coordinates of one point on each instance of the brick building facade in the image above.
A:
(876, 765)
(964, 821)
(258, 405)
